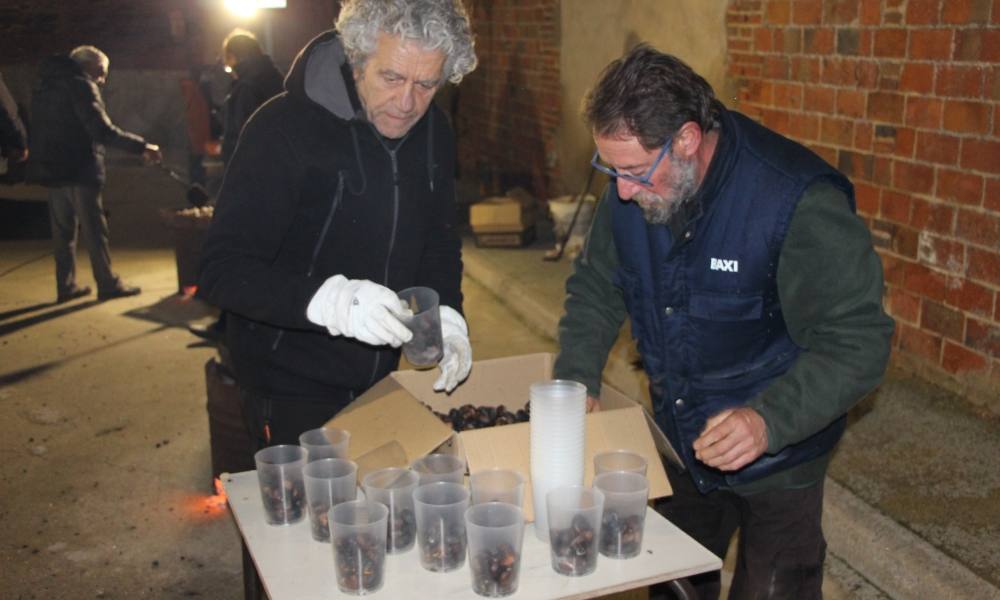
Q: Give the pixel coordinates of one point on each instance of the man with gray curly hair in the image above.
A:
(340, 193)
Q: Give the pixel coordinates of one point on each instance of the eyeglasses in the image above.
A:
(646, 180)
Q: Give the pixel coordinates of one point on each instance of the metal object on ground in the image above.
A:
(557, 252)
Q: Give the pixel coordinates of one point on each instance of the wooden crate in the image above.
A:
(505, 239)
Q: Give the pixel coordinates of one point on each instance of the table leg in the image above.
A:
(253, 589)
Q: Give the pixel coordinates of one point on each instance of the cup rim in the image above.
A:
(322, 462)
(370, 505)
(264, 454)
(425, 488)
(636, 482)
(412, 477)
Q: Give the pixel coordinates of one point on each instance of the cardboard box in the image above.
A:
(391, 424)
(502, 214)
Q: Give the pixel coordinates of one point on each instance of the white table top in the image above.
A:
(293, 566)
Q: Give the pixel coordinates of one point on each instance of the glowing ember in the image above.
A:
(207, 507)
(188, 291)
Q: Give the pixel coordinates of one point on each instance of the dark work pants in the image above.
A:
(80, 205)
(780, 550)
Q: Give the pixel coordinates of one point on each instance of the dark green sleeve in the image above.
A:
(830, 286)
(594, 309)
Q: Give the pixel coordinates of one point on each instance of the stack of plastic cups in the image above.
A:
(558, 411)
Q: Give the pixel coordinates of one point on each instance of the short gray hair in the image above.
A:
(89, 55)
(434, 24)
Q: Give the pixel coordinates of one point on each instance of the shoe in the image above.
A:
(122, 291)
(73, 293)
(212, 332)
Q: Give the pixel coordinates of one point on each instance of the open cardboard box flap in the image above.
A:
(396, 410)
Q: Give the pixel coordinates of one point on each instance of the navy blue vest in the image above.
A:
(704, 309)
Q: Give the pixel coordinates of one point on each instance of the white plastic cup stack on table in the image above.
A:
(325, 442)
(558, 412)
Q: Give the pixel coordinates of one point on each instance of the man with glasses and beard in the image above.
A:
(754, 296)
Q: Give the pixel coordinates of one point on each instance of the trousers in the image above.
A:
(780, 550)
(73, 207)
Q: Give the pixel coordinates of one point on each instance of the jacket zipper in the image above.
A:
(392, 243)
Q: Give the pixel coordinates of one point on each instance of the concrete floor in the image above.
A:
(106, 477)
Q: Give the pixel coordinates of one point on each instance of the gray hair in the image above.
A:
(435, 24)
(89, 55)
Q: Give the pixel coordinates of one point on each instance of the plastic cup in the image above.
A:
(619, 460)
(574, 524)
(497, 485)
(441, 535)
(282, 488)
(329, 481)
(624, 516)
(394, 487)
(426, 347)
(358, 533)
(440, 467)
(496, 531)
(325, 442)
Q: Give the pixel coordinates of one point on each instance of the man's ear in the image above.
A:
(688, 140)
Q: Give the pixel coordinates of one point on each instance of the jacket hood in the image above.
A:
(254, 66)
(322, 75)
(59, 67)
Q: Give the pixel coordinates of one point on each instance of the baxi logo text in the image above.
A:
(730, 266)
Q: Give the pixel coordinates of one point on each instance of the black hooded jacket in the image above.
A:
(257, 81)
(313, 191)
(71, 127)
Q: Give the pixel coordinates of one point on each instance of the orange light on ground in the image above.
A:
(207, 507)
(188, 291)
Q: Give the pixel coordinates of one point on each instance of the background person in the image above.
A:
(71, 129)
(13, 136)
(754, 295)
(340, 191)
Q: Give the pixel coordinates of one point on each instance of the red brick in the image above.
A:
(930, 44)
(922, 12)
(870, 12)
(932, 216)
(904, 305)
(857, 166)
(917, 77)
(895, 206)
(778, 12)
(991, 199)
(978, 45)
(851, 103)
(867, 198)
(919, 343)
(807, 12)
(961, 12)
(893, 269)
(957, 359)
(971, 297)
(942, 253)
(886, 107)
(981, 155)
(937, 148)
(805, 69)
(983, 336)
(840, 12)
(978, 228)
(922, 111)
(775, 67)
(883, 170)
(788, 95)
(791, 40)
(913, 177)
(940, 319)
(955, 80)
(890, 43)
(967, 117)
(819, 99)
(775, 119)
(817, 40)
(839, 132)
(957, 186)
(984, 265)
(863, 134)
(803, 127)
(762, 40)
(924, 281)
(825, 152)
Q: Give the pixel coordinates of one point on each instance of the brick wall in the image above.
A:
(904, 97)
(508, 110)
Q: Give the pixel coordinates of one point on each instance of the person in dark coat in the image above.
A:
(13, 136)
(71, 129)
(255, 81)
(340, 193)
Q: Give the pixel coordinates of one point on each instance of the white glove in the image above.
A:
(456, 362)
(359, 309)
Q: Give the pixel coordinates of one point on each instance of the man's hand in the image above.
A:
(360, 309)
(456, 361)
(151, 155)
(732, 439)
(593, 404)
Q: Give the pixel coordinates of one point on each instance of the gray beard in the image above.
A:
(657, 209)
